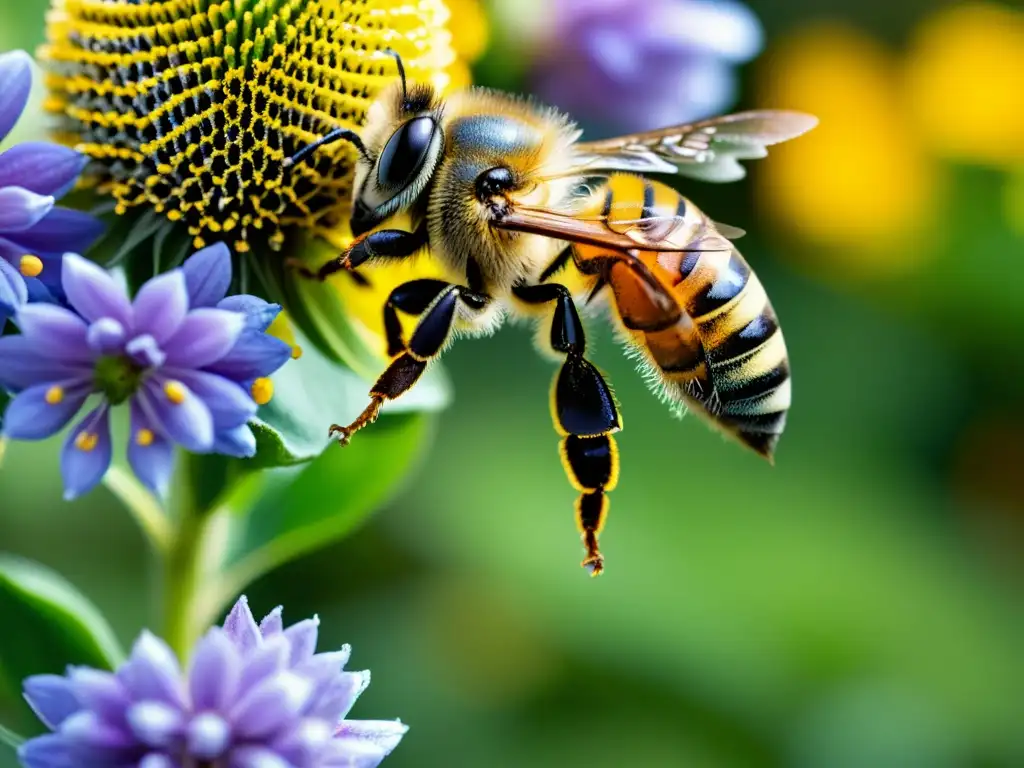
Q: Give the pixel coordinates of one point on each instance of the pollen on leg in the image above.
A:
(144, 438)
(262, 391)
(175, 392)
(54, 395)
(30, 266)
(86, 441)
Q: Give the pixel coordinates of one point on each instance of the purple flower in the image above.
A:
(34, 233)
(632, 66)
(255, 696)
(191, 365)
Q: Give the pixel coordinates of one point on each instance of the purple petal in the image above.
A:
(205, 337)
(208, 736)
(41, 167)
(270, 706)
(381, 734)
(256, 757)
(152, 672)
(241, 626)
(186, 420)
(160, 306)
(60, 330)
(15, 84)
(100, 692)
(255, 355)
(325, 665)
(259, 314)
(49, 751)
(272, 623)
(21, 209)
(85, 458)
(335, 699)
(155, 723)
(215, 672)
(229, 404)
(60, 231)
(51, 698)
(304, 745)
(30, 415)
(150, 454)
(208, 275)
(157, 760)
(265, 661)
(25, 365)
(88, 733)
(106, 336)
(302, 638)
(238, 442)
(145, 351)
(13, 292)
(94, 293)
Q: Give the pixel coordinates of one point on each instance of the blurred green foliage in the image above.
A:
(856, 606)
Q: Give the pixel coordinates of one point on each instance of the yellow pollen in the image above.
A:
(144, 438)
(296, 352)
(86, 441)
(175, 392)
(54, 395)
(30, 266)
(262, 391)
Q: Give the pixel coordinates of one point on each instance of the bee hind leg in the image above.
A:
(586, 416)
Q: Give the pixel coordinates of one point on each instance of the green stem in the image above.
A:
(182, 565)
(10, 738)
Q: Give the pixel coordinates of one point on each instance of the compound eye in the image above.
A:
(405, 153)
(494, 182)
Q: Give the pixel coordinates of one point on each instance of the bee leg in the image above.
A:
(383, 244)
(585, 414)
(413, 298)
(430, 336)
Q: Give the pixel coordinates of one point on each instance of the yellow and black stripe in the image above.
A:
(724, 352)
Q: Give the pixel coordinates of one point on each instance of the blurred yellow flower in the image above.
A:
(965, 82)
(860, 184)
(469, 27)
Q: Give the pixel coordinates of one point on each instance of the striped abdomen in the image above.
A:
(722, 352)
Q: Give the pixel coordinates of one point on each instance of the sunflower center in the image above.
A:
(117, 377)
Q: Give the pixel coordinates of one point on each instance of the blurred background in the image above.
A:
(861, 604)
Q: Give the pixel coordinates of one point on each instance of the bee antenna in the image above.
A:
(339, 134)
(401, 70)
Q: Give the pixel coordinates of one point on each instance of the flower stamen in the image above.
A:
(175, 392)
(144, 438)
(262, 391)
(30, 266)
(296, 351)
(54, 395)
(86, 441)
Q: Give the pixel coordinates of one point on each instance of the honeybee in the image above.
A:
(528, 220)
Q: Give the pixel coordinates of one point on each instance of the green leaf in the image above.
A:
(318, 310)
(312, 393)
(48, 624)
(278, 515)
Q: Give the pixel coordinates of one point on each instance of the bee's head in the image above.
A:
(403, 139)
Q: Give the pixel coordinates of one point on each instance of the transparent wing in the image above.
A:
(651, 233)
(709, 150)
